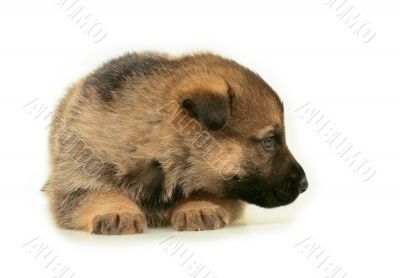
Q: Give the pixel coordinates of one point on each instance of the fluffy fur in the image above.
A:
(150, 139)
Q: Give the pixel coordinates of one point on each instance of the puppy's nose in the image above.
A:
(303, 185)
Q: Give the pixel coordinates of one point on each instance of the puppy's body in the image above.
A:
(127, 146)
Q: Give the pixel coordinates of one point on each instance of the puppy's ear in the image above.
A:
(208, 99)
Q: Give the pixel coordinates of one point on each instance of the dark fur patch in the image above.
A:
(112, 75)
(150, 179)
(210, 108)
(145, 174)
(153, 200)
(256, 191)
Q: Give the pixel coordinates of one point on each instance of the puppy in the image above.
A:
(150, 140)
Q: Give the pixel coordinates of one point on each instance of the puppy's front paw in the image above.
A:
(118, 223)
(198, 216)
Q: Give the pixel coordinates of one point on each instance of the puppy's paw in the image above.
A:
(118, 223)
(198, 216)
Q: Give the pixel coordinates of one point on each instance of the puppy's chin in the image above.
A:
(263, 195)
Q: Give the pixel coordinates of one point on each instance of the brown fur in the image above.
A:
(110, 213)
(204, 212)
(127, 147)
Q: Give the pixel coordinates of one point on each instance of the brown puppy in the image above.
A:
(149, 140)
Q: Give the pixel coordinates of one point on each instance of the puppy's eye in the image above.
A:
(269, 142)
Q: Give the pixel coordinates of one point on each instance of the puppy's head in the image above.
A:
(242, 138)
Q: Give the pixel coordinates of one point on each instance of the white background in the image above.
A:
(306, 53)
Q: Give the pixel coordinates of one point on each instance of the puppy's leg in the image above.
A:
(205, 212)
(110, 213)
